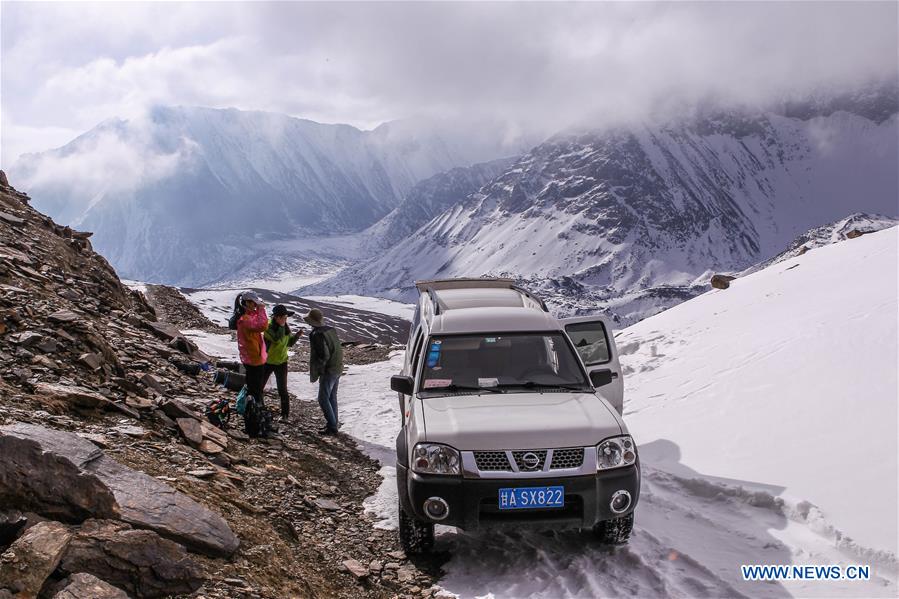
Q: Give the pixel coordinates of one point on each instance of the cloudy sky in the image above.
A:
(66, 67)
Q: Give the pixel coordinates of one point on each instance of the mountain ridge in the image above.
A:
(174, 196)
(614, 213)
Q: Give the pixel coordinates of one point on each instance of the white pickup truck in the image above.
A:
(511, 418)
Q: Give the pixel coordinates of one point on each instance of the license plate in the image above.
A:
(520, 498)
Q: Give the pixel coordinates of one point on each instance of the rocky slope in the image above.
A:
(644, 212)
(181, 195)
(112, 484)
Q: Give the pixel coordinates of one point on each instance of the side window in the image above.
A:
(590, 341)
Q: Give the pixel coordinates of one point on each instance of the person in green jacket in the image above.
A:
(325, 366)
(277, 340)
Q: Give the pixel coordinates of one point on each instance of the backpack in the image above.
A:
(219, 412)
(241, 404)
(237, 313)
(257, 418)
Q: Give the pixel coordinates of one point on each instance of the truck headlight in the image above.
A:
(434, 458)
(615, 453)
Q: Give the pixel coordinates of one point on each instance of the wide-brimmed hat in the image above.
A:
(315, 317)
(281, 310)
(251, 296)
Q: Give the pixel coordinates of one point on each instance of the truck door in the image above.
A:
(592, 338)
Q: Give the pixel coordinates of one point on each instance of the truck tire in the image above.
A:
(415, 537)
(616, 531)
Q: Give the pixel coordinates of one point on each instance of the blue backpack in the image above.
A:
(242, 400)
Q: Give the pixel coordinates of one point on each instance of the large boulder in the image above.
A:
(164, 330)
(62, 476)
(721, 281)
(203, 435)
(25, 566)
(72, 394)
(45, 471)
(174, 408)
(80, 586)
(138, 561)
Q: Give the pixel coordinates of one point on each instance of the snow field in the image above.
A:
(786, 379)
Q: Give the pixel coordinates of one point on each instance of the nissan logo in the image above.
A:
(530, 460)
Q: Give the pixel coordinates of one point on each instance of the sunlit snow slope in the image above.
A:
(787, 379)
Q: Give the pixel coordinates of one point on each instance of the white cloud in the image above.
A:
(20, 139)
(108, 163)
(539, 66)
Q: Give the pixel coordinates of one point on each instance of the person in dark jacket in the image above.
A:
(325, 366)
(277, 339)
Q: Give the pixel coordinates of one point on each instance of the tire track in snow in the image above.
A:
(572, 564)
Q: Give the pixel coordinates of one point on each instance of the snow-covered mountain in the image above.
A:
(182, 195)
(850, 227)
(430, 198)
(571, 297)
(286, 265)
(639, 217)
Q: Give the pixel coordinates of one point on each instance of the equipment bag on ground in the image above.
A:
(257, 418)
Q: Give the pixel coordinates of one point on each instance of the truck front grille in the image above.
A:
(520, 461)
(530, 460)
(495, 461)
(572, 457)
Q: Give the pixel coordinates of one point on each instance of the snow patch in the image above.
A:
(371, 304)
(217, 345)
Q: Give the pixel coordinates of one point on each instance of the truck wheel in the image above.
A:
(415, 537)
(616, 531)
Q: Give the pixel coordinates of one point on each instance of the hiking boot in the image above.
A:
(284, 420)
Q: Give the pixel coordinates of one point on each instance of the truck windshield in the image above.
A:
(507, 363)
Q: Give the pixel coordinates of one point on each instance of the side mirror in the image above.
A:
(600, 378)
(404, 384)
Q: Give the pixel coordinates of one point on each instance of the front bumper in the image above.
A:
(473, 503)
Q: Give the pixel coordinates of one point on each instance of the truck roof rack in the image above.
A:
(465, 283)
(431, 286)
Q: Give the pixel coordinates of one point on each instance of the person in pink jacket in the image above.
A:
(251, 344)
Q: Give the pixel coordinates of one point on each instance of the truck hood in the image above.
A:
(518, 420)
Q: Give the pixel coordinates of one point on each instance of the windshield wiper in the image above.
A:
(536, 385)
(455, 387)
